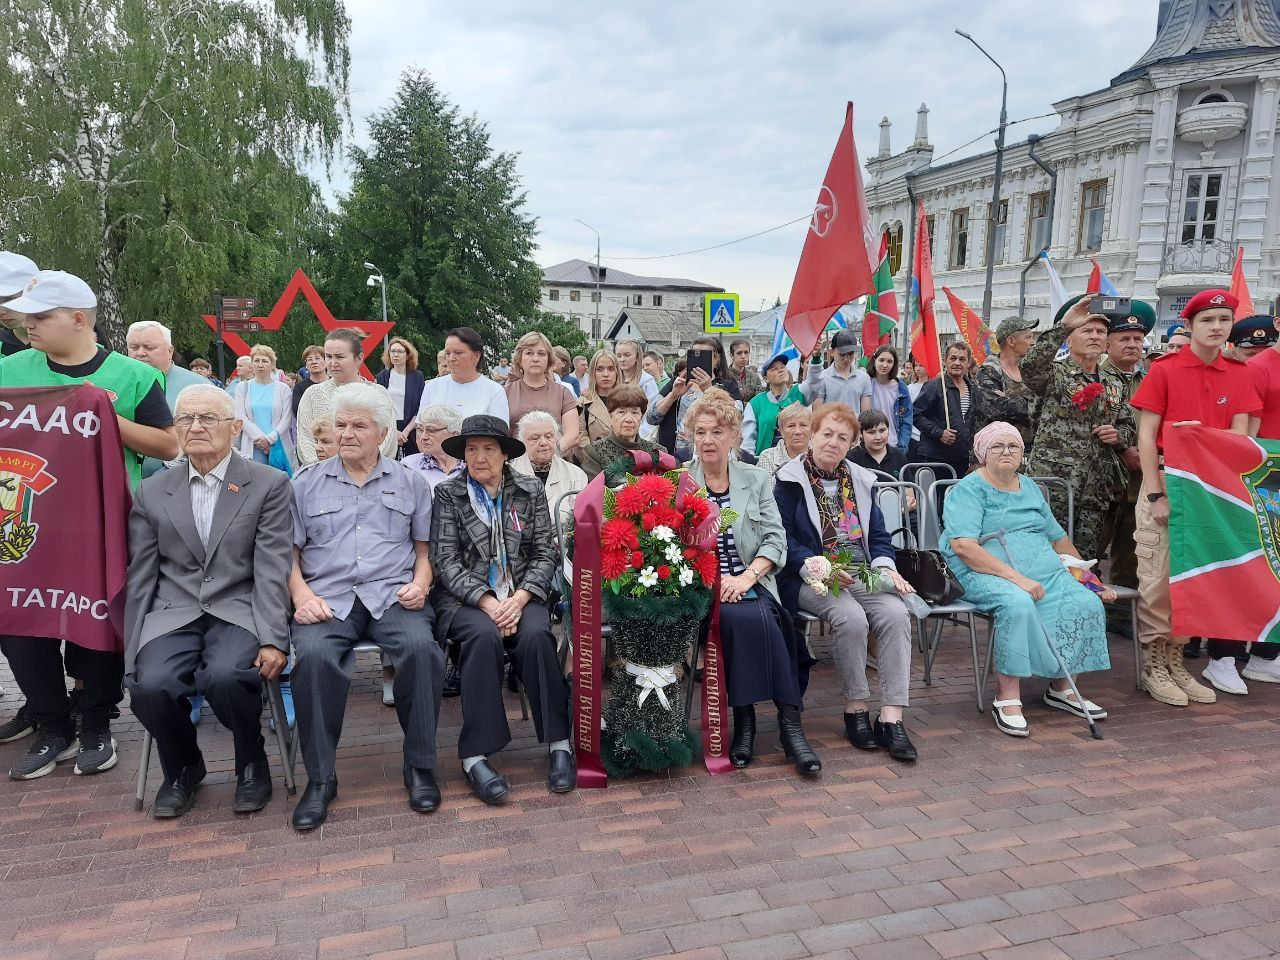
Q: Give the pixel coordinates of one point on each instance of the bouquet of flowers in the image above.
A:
(1086, 396)
(822, 574)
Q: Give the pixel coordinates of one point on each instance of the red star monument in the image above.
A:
(374, 330)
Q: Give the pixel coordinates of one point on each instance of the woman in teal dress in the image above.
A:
(1037, 589)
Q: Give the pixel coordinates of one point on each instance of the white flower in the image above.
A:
(819, 588)
(674, 554)
(662, 532)
(648, 577)
(686, 576)
(818, 567)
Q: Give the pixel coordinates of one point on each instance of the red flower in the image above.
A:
(649, 521)
(655, 488)
(708, 565)
(637, 560)
(698, 508)
(629, 502)
(1086, 395)
(692, 553)
(613, 564)
(664, 572)
(668, 517)
(619, 534)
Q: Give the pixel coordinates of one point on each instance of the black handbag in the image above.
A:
(928, 572)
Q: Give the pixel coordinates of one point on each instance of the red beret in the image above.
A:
(1209, 300)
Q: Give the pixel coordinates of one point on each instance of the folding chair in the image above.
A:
(285, 742)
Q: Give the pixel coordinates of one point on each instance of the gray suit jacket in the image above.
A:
(758, 531)
(242, 577)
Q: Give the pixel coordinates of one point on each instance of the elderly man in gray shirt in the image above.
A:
(843, 381)
(362, 573)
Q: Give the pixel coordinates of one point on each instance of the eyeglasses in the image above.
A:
(1005, 448)
(206, 420)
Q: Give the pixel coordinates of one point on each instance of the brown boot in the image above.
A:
(1155, 676)
(1194, 690)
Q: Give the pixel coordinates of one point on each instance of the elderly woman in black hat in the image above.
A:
(493, 550)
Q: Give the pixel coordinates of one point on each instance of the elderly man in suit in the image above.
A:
(362, 573)
(207, 604)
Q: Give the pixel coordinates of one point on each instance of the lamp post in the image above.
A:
(595, 333)
(377, 280)
(995, 193)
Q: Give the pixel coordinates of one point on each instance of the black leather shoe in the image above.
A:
(253, 788)
(424, 792)
(796, 747)
(742, 746)
(175, 799)
(313, 809)
(452, 681)
(562, 771)
(857, 727)
(893, 737)
(487, 784)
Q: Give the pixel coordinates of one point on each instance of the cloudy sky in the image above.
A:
(671, 127)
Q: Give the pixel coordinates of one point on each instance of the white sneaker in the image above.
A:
(1267, 671)
(1222, 675)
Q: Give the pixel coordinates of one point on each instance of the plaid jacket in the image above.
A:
(460, 543)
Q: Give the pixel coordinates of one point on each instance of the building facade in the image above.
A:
(572, 290)
(1160, 177)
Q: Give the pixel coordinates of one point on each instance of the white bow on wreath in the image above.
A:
(653, 680)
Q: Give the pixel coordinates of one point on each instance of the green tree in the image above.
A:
(152, 146)
(442, 214)
(559, 330)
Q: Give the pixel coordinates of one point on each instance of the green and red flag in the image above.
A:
(882, 306)
(1224, 534)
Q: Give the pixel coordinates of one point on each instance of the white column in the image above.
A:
(1253, 195)
(1153, 224)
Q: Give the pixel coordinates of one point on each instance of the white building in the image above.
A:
(572, 290)
(1160, 177)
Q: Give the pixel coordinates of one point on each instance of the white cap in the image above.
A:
(51, 289)
(16, 272)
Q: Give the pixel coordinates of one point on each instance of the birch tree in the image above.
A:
(155, 147)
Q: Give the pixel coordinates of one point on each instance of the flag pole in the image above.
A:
(911, 266)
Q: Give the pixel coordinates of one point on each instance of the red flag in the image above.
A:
(976, 333)
(924, 331)
(1240, 288)
(1095, 279)
(839, 253)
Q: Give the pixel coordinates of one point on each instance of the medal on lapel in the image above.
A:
(233, 488)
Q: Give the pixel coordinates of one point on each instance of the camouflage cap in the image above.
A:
(1011, 325)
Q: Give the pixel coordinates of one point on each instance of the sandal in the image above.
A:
(1014, 726)
(1066, 700)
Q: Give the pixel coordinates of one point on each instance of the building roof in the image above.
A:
(1196, 28)
(657, 323)
(581, 273)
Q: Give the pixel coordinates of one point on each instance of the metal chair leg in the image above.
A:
(144, 764)
(275, 705)
(978, 681)
(1137, 645)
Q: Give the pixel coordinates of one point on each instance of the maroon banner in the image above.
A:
(715, 711)
(588, 652)
(64, 511)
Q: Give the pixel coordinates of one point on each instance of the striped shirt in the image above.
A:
(204, 495)
(731, 564)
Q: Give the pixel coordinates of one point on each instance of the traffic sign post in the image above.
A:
(720, 313)
(235, 315)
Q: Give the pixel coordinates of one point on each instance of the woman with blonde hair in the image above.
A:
(630, 354)
(602, 376)
(265, 405)
(404, 381)
(531, 386)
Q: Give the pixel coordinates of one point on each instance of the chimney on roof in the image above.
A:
(884, 138)
(922, 127)
(602, 273)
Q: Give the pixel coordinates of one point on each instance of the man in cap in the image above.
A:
(1250, 336)
(16, 272)
(1195, 385)
(1004, 395)
(59, 315)
(152, 343)
(843, 381)
(1083, 423)
(1177, 338)
(1124, 359)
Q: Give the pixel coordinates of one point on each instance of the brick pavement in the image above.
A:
(1158, 842)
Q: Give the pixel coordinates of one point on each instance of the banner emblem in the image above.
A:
(825, 212)
(22, 478)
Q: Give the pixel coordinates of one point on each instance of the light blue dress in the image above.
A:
(1072, 613)
(262, 398)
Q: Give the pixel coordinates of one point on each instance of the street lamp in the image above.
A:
(995, 193)
(377, 280)
(595, 333)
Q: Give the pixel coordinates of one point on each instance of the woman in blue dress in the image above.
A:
(1036, 590)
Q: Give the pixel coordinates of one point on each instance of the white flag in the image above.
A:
(1057, 292)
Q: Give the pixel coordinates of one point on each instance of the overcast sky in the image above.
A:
(671, 127)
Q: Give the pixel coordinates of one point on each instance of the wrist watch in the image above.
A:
(1153, 497)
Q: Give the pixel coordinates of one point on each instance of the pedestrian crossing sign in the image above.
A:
(720, 313)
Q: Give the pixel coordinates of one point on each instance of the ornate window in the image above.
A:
(1039, 223)
(959, 255)
(1093, 213)
(1202, 205)
(895, 247)
(999, 251)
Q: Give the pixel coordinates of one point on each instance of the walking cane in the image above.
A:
(1053, 648)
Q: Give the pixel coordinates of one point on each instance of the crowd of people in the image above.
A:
(283, 519)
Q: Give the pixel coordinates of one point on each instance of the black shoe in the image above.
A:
(452, 681)
(313, 809)
(796, 747)
(562, 771)
(893, 737)
(97, 749)
(513, 682)
(1192, 650)
(253, 787)
(857, 727)
(176, 798)
(742, 746)
(18, 726)
(424, 792)
(1121, 627)
(51, 747)
(487, 784)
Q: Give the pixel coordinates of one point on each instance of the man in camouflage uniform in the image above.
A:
(1004, 395)
(1083, 423)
